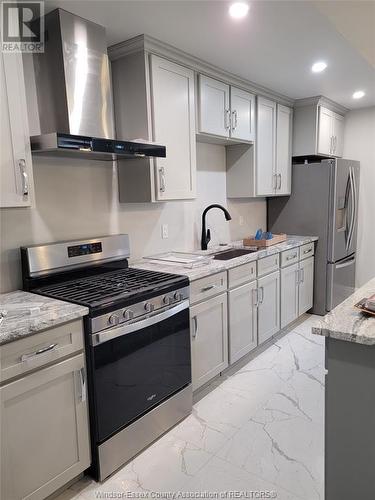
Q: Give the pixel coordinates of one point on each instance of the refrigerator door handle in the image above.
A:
(353, 208)
(346, 206)
(346, 263)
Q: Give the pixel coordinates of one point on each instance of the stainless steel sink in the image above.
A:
(232, 254)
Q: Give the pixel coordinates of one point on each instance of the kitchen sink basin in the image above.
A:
(232, 254)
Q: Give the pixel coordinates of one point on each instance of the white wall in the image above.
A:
(359, 145)
(78, 199)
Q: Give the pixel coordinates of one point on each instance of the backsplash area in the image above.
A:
(78, 199)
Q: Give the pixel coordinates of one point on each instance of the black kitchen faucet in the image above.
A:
(206, 234)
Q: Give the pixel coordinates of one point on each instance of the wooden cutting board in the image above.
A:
(361, 306)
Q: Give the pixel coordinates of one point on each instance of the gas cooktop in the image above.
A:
(107, 287)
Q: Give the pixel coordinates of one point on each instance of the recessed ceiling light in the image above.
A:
(318, 67)
(358, 94)
(238, 10)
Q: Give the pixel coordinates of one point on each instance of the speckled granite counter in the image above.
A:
(29, 313)
(216, 266)
(345, 322)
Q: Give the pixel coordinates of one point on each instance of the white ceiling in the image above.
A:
(274, 46)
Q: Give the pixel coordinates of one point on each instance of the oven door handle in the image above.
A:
(112, 333)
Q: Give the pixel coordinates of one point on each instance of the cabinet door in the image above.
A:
(306, 285)
(283, 150)
(209, 334)
(325, 131)
(269, 306)
(44, 431)
(213, 109)
(173, 115)
(266, 147)
(16, 180)
(289, 294)
(242, 321)
(242, 106)
(338, 135)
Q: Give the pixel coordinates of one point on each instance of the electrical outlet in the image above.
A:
(164, 231)
(241, 221)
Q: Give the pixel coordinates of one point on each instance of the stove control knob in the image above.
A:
(178, 296)
(149, 307)
(128, 314)
(167, 300)
(113, 319)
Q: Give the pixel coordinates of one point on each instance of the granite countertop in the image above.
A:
(345, 322)
(216, 266)
(29, 313)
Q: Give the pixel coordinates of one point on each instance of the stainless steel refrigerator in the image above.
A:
(324, 203)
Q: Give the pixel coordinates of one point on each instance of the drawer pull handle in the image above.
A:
(255, 297)
(82, 378)
(195, 329)
(208, 288)
(307, 251)
(24, 177)
(162, 179)
(290, 257)
(302, 278)
(28, 357)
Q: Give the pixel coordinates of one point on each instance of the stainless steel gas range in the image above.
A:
(136, 336)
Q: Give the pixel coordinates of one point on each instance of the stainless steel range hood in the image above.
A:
(75, 96)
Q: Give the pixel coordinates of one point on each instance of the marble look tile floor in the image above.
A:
(260, 428)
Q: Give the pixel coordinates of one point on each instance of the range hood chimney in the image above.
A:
(75, 96)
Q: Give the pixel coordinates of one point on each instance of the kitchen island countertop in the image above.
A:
(345, 322)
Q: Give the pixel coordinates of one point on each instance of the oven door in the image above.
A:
(138, 365)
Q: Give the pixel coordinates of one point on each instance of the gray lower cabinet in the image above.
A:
(289, 294)
(44, 430)
(242, 320)
(268, 306)
(306, 285)
(297, 284)
(209, 339)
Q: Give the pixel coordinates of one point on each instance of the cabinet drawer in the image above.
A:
(24, 355)
(306, 251)
(289, 257)
(210, 286)
(242, 274)
(268, 265)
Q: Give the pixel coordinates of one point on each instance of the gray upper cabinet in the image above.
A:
(266, 147)
(16, 176)
(318, 128)
(284, 119)
(242, 106)
(263, 169)
(173, 124)
(154, 99)
(330, 133)
(213, 107)
(225, 111)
